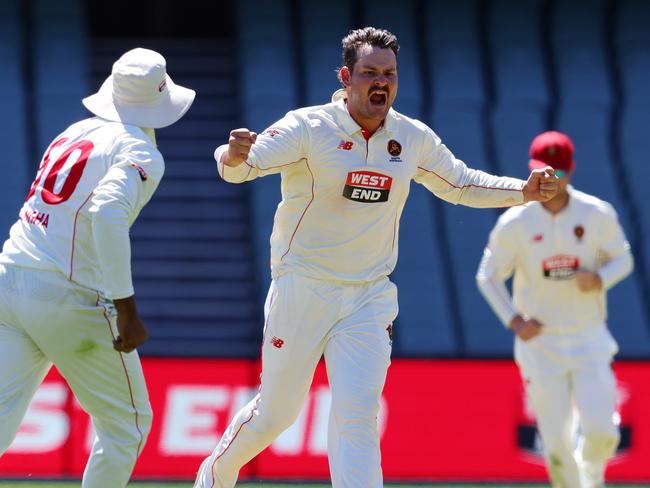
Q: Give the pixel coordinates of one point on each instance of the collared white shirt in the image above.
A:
(343, 195)
(543, 251)
(92, 183)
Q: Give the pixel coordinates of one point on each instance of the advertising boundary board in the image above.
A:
(440, 420)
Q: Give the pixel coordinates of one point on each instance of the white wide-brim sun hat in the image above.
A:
(140, 92)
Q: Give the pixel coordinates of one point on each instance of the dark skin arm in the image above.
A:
(131, 330)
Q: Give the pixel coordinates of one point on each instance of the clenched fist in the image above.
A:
(542, 185)
(239, 145)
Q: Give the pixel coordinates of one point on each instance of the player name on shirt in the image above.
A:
(35, 217)
(560, 267)
(367, 186)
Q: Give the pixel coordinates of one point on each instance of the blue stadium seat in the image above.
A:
(14, 183)
(454, 51)
(634, 155)
(269, 91)
(381, 13)
(268, 78)
(514, 125)
(467, 230)
(520, 81)
(632, 42)
(323, 25)
(425, 326)
(60, 67)
(578, 39)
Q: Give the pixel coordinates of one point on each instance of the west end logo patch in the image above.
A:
(560, 267)
(367, 187)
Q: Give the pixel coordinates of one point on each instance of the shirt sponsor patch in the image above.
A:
(560, 267)
(367, 187)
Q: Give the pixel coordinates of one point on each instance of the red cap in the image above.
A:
(552, 149)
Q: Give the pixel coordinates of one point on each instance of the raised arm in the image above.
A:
(450, 179)
(248, 155)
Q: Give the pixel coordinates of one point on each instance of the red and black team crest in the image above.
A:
(394, 148)
(579, 231)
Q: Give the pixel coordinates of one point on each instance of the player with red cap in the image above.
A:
(563, 255)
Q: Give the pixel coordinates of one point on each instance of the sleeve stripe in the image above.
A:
(468, 186)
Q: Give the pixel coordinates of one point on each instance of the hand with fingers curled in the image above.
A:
(239, 146)
(525, 328)
(541, 186)
(131, 330)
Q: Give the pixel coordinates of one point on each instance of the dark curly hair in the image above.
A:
(370, 36)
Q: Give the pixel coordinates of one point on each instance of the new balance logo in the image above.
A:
(345, 145)
(277, 342)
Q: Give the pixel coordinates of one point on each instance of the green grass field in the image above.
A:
(263, 484)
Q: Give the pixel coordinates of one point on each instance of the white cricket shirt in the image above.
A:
(91, 185)
(544, 251)
(342, 195)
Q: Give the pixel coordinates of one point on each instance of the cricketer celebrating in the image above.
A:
(346, 168)
(66, 294)
(564, 254)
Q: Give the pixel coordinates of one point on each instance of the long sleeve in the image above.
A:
(279, 146)
(497, 265)
(115, 204)
(615, 251)
(450, 179)
(110, 218)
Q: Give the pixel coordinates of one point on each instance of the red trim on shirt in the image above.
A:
(303, 212)
(74, 234)
(394, 233)
(467, 186)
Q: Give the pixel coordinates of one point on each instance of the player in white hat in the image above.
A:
(346, 171)
(66, 293)
(564, 254)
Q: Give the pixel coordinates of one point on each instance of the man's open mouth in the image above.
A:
(378, 98)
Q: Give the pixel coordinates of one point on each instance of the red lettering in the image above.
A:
(81, 151)
(48, 195)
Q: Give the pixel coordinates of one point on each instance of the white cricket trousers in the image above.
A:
(582, 385)
(305, 319)
(45, 319)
